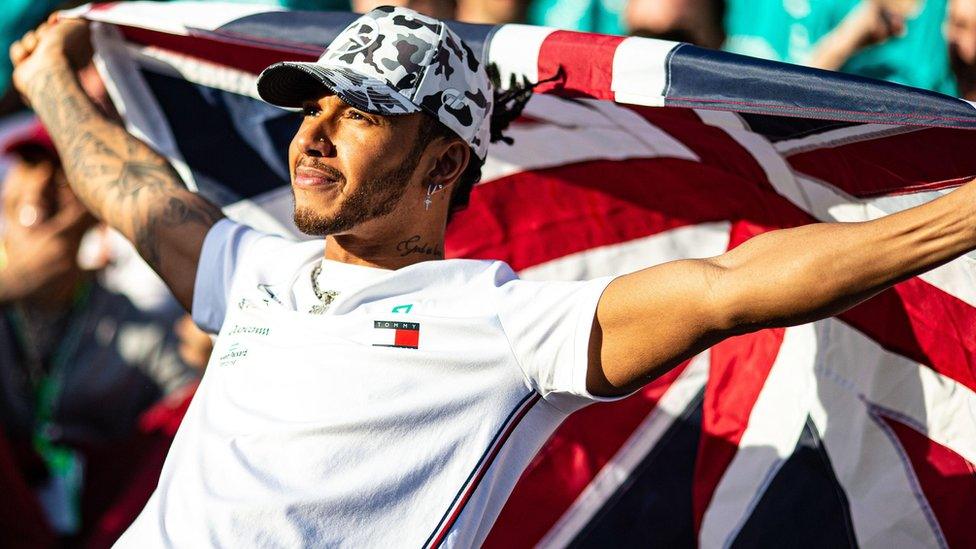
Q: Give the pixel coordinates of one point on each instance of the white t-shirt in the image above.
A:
(401, 416)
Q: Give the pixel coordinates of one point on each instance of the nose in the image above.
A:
(313, 141)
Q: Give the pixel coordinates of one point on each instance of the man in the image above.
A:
(78, 363)
(896, 40)
(697, 22)
(961, 37)
(364, 391)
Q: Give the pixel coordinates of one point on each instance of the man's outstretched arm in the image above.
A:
(118, 177)
(649, 321)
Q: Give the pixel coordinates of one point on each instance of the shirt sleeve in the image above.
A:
(548, 325)
(224, 253)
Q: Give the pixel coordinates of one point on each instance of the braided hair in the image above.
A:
(508, 105)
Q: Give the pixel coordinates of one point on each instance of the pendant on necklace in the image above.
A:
(327, 297)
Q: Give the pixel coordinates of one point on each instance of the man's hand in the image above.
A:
(870, 23)
(53, 43)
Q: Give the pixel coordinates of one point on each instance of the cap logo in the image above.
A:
(453, 99)
(363, 38)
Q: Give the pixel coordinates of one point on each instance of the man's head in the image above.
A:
(695, 21)
(961, 36)
(397, 112)
(35, 186)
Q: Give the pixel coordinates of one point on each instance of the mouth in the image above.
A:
(309, 178)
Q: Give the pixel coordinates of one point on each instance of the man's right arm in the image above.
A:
(119, 178)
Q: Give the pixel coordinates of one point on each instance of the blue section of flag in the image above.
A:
(234, 165)
(704, 78)
(804, 504)
(654, 508)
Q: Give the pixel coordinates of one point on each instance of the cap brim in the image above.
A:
(289, 84)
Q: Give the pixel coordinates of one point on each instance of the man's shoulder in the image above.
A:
(264, 254)
(463, 272)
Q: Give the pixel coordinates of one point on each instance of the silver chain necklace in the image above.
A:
(325, 296)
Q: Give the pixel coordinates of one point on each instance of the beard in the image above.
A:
(372, 199)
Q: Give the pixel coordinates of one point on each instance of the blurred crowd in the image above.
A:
(98, 362)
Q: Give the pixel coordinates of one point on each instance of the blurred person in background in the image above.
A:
(961, 36)
(603, 16)
(897, 40)
(492, 12)
(697, 22)
(78, 363)
(442, 9)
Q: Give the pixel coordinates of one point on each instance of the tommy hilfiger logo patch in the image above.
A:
(397, 334)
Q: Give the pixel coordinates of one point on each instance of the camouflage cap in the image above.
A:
(392, 61)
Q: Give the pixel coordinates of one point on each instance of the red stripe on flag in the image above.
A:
(738, 372)
(591, 71)
(928, 159)
(569, 461)
(947, 480)
(923, 323)
(246, 57)
(713, 145)
(533, 217)
(737, 375)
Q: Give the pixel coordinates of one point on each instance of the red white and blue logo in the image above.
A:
(394, 333)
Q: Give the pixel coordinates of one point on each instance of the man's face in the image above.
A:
(658, 17)
(349, 167)
(961, 32)
(34, 188)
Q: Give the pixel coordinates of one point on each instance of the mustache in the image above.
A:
(321, 166)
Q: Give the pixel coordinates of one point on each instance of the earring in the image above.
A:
(431, 189)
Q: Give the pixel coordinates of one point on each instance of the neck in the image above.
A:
(393, 251)
(705, 20)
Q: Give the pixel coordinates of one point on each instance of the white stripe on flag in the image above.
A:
(611, 133)
(514, 49)
(170, 16)
(778, 172)
(936, 405)
(886, 505)
(775, 424)
(839, 137)
(640, 71)
(703, 240)
(195, 70)
(132, 98)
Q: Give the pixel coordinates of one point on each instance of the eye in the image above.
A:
(310, 110)
(356, 115)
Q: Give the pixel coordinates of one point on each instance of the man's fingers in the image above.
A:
(17, 53)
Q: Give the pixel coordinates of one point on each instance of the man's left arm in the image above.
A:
(650, 321)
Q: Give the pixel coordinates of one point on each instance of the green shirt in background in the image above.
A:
(788, 30)
(603, 16)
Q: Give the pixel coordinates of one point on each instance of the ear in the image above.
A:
(449, 163)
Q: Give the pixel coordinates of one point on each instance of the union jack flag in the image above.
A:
(859, 430)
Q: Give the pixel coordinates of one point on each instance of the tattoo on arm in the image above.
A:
(121, 180)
